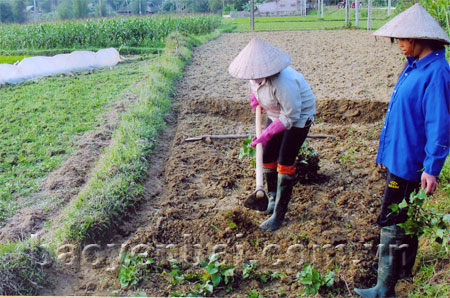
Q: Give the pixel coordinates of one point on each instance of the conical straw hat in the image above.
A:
(258, 60)
(415, 22)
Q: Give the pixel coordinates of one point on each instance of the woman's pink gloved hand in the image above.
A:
(271, 130)
(254, 102)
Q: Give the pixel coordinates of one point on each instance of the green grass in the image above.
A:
(20, 269)
(10, 59)
(39, 119)
(333, 19)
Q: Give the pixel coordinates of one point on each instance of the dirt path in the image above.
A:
(195, 203)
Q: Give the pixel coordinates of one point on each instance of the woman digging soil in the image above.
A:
(290, 105)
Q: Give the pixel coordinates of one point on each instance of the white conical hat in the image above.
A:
(258, 60)
(415, 22)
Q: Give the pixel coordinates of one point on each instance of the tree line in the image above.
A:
(21, 11)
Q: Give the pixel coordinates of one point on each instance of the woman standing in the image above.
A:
(290, 105)
(415, 138)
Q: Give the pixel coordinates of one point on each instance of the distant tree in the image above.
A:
(6, 13)
(65, 10)
(215, 6)
(46, 5)
(239, 5)
(19, 11)
(203, 5)
(102, 9)
(138, 6)
(169, 5)
(157, 3)
(80, 8)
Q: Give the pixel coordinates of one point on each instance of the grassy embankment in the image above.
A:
(333, 19)
(37, 135)
(115, 186)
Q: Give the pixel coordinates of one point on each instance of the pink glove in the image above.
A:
(271, 130)
(254, 102)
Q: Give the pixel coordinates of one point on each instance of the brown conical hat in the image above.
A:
(258, 60)
(415, 22)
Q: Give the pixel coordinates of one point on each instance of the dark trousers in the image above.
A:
(395, 191)
(284, 146)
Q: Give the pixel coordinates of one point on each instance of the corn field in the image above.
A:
(102, 33)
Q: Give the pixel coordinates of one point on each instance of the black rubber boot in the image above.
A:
(389, 265)
(271, 177)
(284, 192)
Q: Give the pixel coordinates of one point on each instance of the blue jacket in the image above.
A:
(416, 132)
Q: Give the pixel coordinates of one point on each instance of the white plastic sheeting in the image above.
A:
(40, 66)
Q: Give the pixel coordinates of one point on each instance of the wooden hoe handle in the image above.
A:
(259, 154)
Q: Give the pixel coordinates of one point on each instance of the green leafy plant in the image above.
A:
(307, 164)
(423, 219)
(247, 151)
(250, 272)
(313, 281)
(254, 294)
(133, 269)
(177, 272)
(214, 275)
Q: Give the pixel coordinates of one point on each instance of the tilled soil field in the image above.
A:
(196, 189)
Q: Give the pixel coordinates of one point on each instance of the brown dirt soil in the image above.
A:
(195, 200)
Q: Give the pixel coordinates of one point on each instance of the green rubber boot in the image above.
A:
(284, 192)
(389, 264)
(271, 177)
(408, 256)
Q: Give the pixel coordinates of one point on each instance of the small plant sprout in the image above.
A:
(313, 281)
(254, 294)
(133, 269)
(247, 151)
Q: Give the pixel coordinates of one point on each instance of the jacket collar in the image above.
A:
(425, 61)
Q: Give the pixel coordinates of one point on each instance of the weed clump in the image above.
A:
(307, 165)
(22, 270)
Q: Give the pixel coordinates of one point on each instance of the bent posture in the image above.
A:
(290, 105)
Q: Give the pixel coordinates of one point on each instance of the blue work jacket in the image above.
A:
(416, 132)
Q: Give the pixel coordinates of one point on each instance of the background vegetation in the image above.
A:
(21, 11)
(103, 33)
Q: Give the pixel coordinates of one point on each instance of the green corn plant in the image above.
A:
(148, 31)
